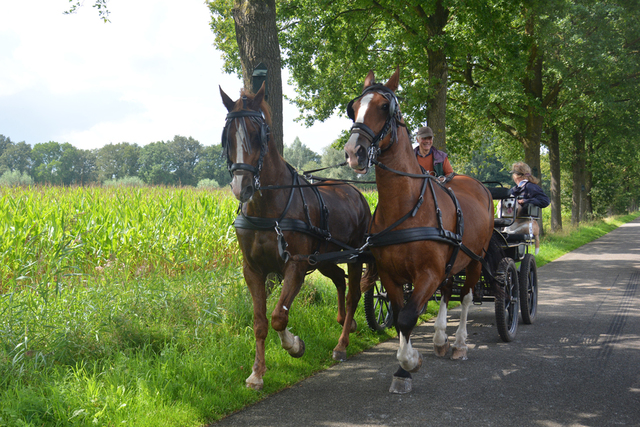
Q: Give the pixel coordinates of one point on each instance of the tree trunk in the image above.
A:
(533, 86)
(577, 205)
(257, 38)
(438, 78)
(437, 104)
(588, 178)
(554, 166)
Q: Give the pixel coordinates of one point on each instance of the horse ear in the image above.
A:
(228, 102)
(394, 81)
(257, 99)
(369, 80)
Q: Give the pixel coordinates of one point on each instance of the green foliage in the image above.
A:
(485, 166)
(115, 161)
(298, 155)
(99, 5)
(127, 181)
(212, 165)
(86, 231)
(14, 156)
(15, 179)
(516, 70)
(122, 340)
(208, 183)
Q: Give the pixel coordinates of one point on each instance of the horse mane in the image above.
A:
(264, 107)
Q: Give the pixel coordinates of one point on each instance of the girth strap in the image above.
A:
(407, 235)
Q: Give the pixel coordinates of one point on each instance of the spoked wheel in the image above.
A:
(507, 304)
(377, 309)
(528, 279)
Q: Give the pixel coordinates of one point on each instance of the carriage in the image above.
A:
(519, 286)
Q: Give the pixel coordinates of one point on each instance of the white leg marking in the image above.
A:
(364, 104)
(407, 355)
(289, 341)
(440, 336)
(461, 333)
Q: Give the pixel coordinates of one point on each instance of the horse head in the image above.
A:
(245, 141)
(376, 116)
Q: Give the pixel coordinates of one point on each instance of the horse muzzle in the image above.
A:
(356, 154)
(243, 186)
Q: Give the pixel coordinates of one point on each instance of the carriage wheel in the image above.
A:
(528, 278)
(377, 309)
(507, 304)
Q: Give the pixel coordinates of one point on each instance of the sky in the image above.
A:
(146, 76)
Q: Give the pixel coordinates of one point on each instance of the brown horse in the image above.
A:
(283, 220)
(418, 235)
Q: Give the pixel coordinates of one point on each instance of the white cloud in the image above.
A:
(149, 74)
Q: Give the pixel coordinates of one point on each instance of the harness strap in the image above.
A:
(413, 235)
(280, 224)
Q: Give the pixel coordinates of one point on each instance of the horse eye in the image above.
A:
(385, 107)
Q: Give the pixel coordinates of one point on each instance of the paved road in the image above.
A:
(577, 365)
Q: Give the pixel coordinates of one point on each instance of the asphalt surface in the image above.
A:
(578, 364)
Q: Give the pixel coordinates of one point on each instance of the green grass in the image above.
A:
(127, 306)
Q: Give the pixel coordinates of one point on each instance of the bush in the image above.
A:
(208, 183)
(15, 179)
(127, 181)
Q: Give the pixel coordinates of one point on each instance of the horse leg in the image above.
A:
(336, 274)
(409, 358)
(473, 271)
(349, 324)
(256, 284)
(440, 339)
(293, 279)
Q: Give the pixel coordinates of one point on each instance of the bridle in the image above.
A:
(394, 119)
(258, 120)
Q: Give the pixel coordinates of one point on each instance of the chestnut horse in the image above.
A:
(285, 225)
(418, 235)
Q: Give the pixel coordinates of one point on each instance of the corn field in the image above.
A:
(51, 232)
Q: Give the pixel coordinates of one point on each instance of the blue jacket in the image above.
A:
(531, 193)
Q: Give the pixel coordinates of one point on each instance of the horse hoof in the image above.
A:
(354, 326)
(459, 353)
(300, 346)
(340, 356)
(441, 350)
(255, 383)
(400, 385)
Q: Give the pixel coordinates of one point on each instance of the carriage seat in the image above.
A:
(529, 211)
(499, 192)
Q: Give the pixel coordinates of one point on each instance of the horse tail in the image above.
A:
(370, 276)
